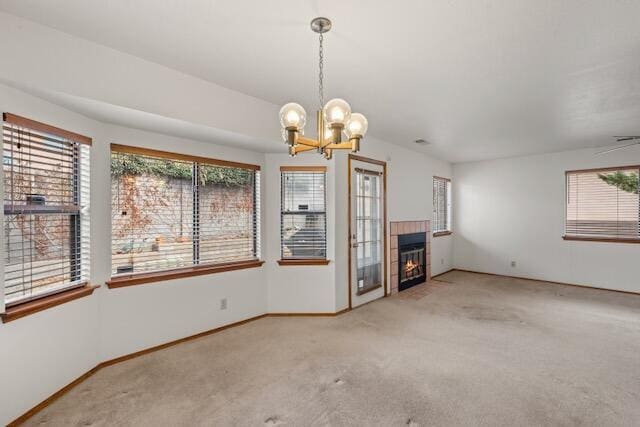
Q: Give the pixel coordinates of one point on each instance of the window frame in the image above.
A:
(50, 298)
(299, 261)
(130, 279)
(448, 200)
(570, 237)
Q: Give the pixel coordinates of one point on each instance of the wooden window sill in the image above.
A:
(601, 239)
(178, 273)
(30, 307)
(442, 233)
(367, 290)
(309, 261)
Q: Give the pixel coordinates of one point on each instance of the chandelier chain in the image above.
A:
(321, 73)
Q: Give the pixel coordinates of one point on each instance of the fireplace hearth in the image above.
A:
(412, 261)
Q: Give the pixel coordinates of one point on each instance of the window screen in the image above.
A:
(441, 205)
(303, 214)
(46, 209)
(603, 204)
(170, 211)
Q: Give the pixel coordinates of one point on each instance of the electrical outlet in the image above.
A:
(223, 304)
(513, 264)
(442, 261)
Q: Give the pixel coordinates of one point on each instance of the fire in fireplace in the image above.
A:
(411, 260)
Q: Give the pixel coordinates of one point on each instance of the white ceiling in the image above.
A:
(478, 79)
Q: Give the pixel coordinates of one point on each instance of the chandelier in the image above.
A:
(333, 118)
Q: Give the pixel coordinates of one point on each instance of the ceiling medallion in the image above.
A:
(333, 118)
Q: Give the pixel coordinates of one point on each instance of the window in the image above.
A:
(172, 212)
(603, 204)
(303, 216)
(441, 206)
(46, 209)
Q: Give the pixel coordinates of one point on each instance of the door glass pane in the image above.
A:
(368, 230)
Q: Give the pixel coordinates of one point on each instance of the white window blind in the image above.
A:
(303, 231)
(170, 212)
(603, 204)
(441, 205)
(46, 209)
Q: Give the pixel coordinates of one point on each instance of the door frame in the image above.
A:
(384, 220)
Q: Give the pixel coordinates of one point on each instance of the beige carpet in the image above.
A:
(474, 350)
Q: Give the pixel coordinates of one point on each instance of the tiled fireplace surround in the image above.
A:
(405, 227)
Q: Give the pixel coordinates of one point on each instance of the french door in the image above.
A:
(367, 231)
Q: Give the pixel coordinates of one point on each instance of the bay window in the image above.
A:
(176, 213)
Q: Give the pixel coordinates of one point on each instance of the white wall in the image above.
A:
(513, 209)
(293, 289)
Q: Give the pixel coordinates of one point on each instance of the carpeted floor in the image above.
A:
(470, 350)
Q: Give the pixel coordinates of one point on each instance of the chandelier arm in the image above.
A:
(308, 142)
(302, 148)
(338, 146)
(327, 142)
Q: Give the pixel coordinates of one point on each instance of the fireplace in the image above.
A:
(412, 262)
(410, 254)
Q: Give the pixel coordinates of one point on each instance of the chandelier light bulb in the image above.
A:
(356, 126)
(292, 115)
(337, 112)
